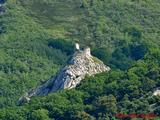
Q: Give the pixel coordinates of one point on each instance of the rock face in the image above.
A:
(81, 64)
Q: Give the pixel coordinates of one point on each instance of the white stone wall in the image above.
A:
(87, 51)
(156, 93)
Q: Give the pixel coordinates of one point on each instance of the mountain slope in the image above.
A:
(124, 34)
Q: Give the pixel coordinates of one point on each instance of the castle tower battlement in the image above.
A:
(87, 51)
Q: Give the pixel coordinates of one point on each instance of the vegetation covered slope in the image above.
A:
(36, 39)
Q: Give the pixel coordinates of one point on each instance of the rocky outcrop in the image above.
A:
(156, 92)
(81, 64)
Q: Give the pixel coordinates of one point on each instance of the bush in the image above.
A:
(40, 114)
(63, 45)
(102, 53)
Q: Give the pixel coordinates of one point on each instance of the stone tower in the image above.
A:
(87, 51)
(77, 46)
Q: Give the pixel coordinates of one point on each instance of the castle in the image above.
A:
(86, 50)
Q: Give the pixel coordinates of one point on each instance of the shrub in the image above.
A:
(63, 45)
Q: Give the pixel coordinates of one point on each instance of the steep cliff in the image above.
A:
(81, 64)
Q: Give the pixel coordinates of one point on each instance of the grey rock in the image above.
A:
(81, 64)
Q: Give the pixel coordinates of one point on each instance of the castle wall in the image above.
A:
(87, 51)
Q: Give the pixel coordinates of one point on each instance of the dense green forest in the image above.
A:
(37, 38)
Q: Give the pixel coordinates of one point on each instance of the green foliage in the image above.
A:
(98, 97)
(106, 105)
(36, 40)
(40, 114)
(102, 53)
(64, 46)
(134, 32)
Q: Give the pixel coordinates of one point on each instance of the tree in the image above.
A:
(10, 114)
(134, 32)
(138, 51)
(40, 114)
(102, 53)
(107, 105)
(63, 45)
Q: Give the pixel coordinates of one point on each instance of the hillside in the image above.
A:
(37, 39)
